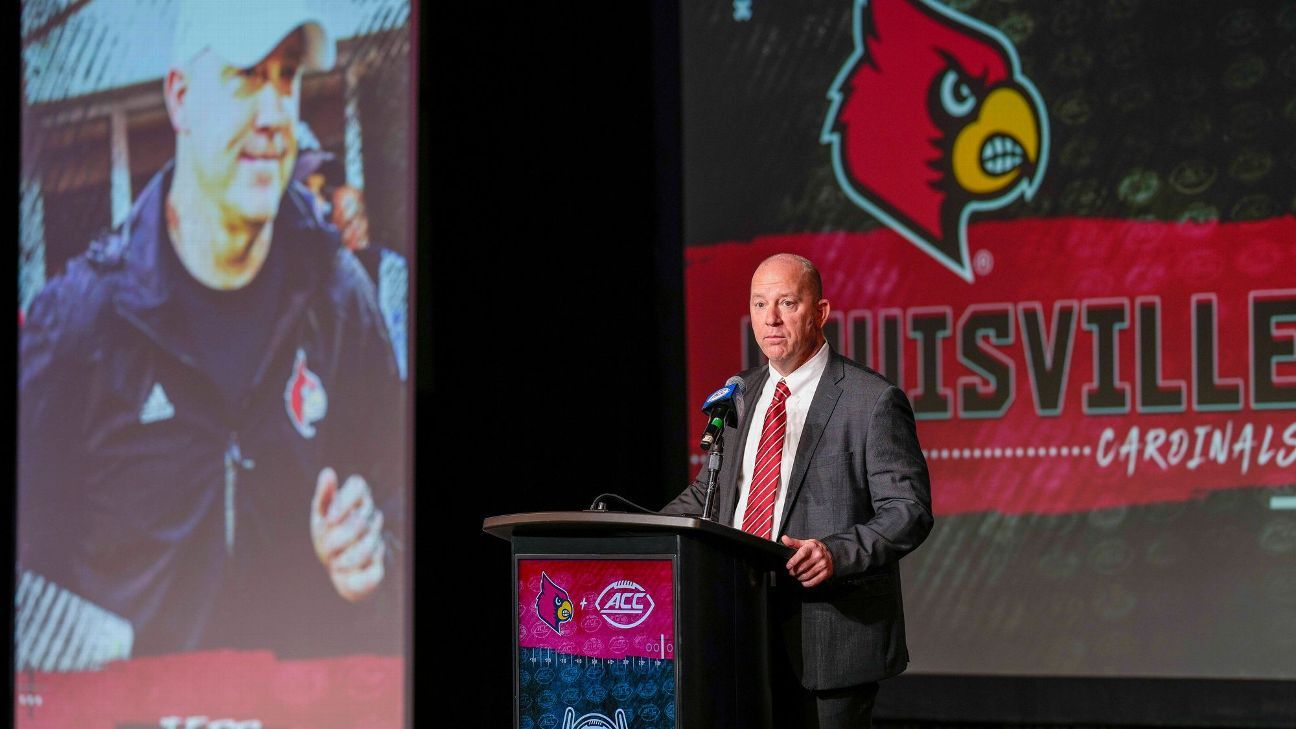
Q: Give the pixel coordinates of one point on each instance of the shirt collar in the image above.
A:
(805, 375)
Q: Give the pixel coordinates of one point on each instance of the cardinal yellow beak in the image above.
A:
(991, 152)
(565, 610)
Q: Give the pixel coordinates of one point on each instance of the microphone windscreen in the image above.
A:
(741, 387)
(723, 395)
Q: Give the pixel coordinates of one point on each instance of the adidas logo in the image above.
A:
(156, 407)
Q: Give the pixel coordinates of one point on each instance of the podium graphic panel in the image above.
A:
(596, 642)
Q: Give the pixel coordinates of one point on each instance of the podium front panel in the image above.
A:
(596, 638)
(672, 632)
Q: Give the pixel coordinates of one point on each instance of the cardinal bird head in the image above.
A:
(553, 605)
(304, 397)
(932, 119)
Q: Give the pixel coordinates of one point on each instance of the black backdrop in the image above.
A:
(549, 325)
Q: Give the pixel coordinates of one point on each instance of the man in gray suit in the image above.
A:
(825, 459)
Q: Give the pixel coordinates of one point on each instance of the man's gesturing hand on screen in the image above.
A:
(346, 529)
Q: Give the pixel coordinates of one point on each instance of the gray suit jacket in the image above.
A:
(858, 484)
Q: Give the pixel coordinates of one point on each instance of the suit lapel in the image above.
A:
(821, 409)
(736, 451)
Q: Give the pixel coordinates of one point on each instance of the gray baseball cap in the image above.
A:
(242, 32)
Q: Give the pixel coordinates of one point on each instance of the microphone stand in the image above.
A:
(714, 457)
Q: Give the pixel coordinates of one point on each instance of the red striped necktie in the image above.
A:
(761, 494)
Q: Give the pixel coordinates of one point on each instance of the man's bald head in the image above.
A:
(788, 311)
(808, 270)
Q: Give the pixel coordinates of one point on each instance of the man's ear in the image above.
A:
(824, 310)
(174, 89)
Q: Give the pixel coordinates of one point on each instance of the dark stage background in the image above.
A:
(553, 294)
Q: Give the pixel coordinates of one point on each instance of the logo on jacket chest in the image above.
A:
(304, 397)
(157, 407)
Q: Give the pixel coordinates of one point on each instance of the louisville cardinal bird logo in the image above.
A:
(553, 605)
(931, 120)
(304, 397)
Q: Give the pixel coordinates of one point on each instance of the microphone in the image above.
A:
(722, 408)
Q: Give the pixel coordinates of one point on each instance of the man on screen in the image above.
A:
(826, 460)
(212, 428)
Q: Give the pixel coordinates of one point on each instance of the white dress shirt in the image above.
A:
(802, 384)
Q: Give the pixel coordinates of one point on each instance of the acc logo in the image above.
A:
(304, 397)
(594, 721)
(624, 604)
(553, 605)
(932, 120)
(717, 395)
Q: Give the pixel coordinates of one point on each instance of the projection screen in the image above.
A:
(215, 244)
(1067, 230)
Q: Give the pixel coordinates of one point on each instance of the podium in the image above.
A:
(632, 620)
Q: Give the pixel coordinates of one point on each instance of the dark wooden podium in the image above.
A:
(631, 620)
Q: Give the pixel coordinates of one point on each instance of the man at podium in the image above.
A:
(825, 459)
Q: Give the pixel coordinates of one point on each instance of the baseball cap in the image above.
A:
(242, 32)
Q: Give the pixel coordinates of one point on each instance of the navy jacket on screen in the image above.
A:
(144, 493)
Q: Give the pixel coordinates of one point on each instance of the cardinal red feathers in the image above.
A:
(553, 604)
(931, 120)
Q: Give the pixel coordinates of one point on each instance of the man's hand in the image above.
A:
(346, 529)
(812, 563)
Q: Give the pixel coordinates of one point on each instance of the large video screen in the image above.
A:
(215, 245)
(1067, 230)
